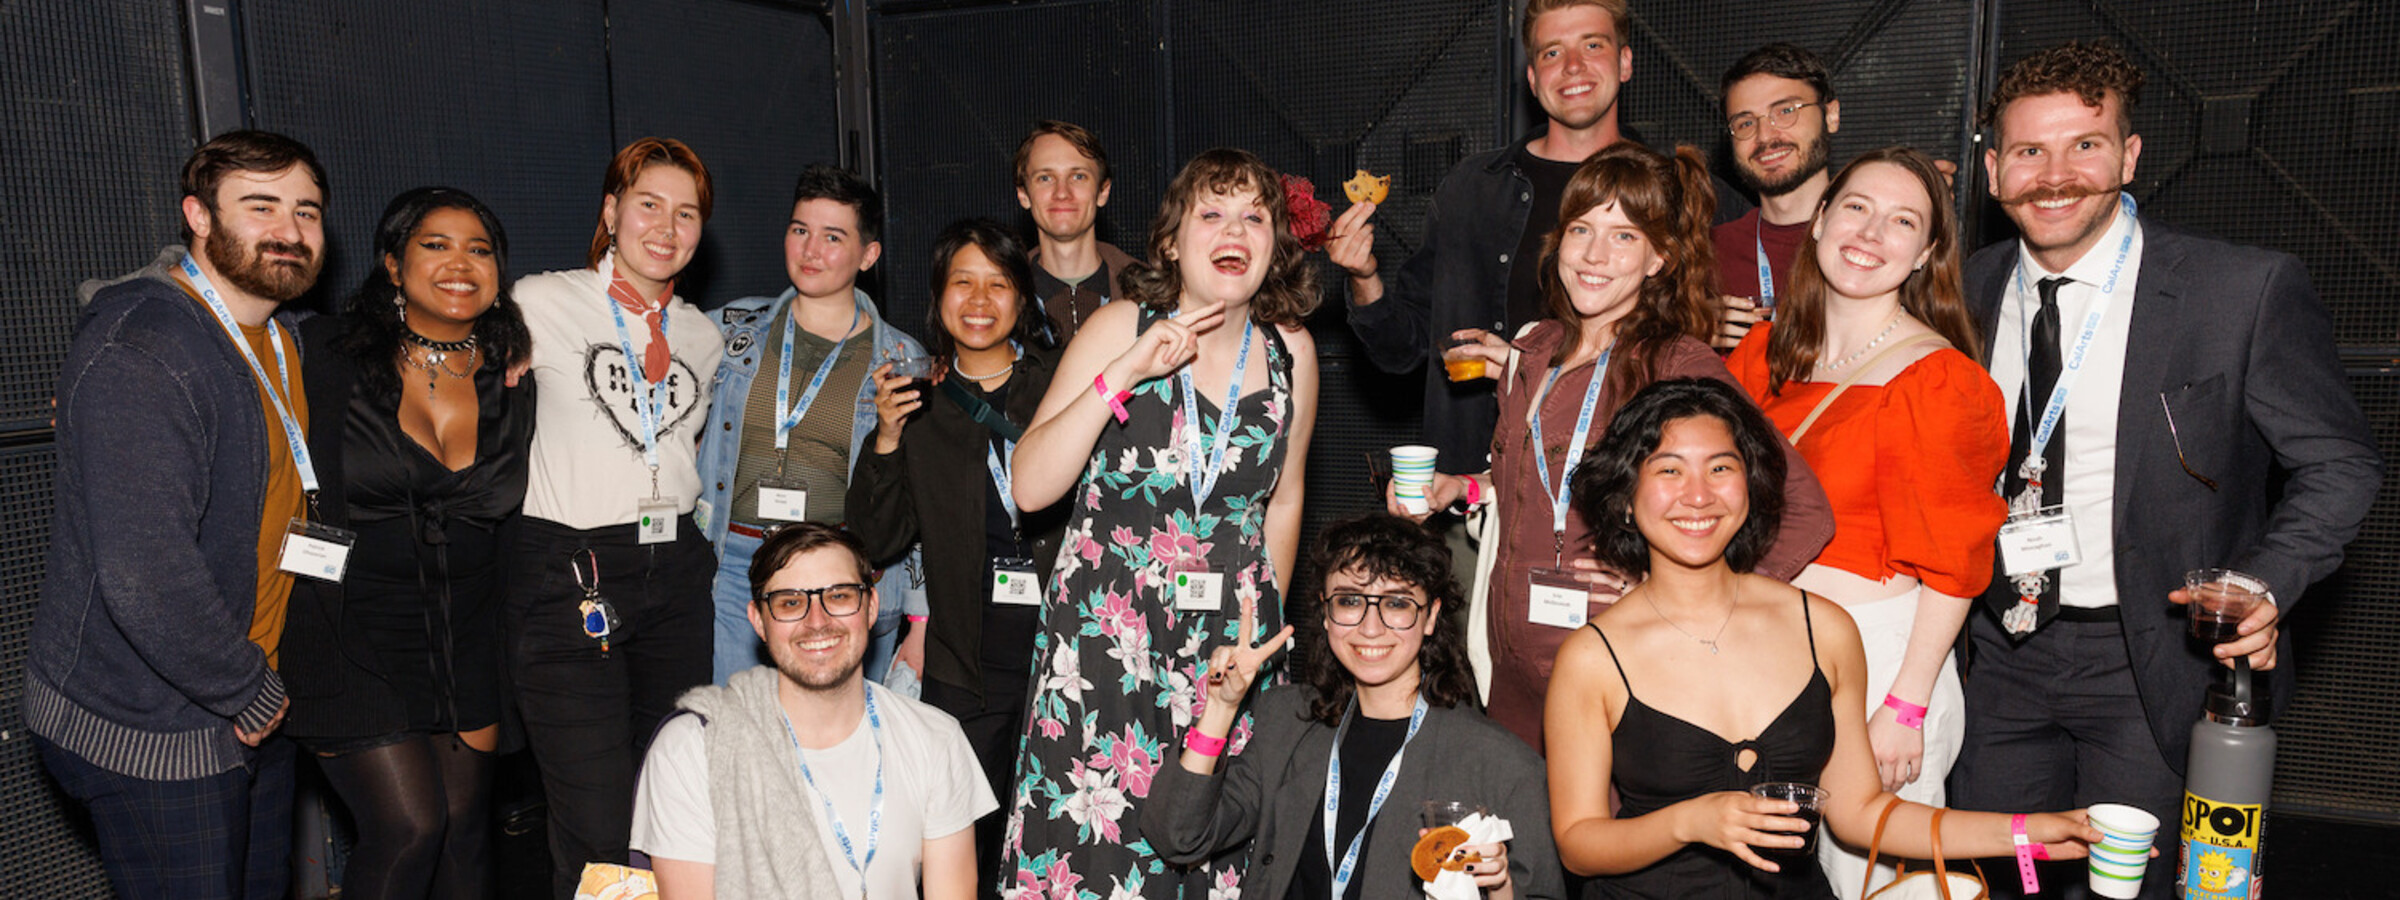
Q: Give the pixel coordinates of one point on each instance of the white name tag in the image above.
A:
(1014, 583)
(1555, 597)
(1199, 591)
(2039, 542)
(311, 550)
(782, 504)
(656, 523)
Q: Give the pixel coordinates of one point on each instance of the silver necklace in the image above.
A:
(1862, 351)
(1711, 641)
(436, 357)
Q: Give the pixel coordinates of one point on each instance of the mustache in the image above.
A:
(2057, 192)
(302, 251)
(1764, 149)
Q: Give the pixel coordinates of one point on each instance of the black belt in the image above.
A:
(2088, 614)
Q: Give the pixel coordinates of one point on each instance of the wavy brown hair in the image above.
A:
(1930, 295)
(1290, 292)
(1382, 546)
(1674, 203)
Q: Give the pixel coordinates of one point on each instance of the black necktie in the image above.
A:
(2042, 365)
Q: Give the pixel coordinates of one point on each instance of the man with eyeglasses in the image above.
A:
(803, 779)
(1780, 112)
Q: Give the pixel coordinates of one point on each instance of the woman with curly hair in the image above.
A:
(395, 671)
(1388, 689)
(1179, 422)
(1627, 277)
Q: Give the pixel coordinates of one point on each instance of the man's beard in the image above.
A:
(810, 680)
(248, 268)
(1812, 161)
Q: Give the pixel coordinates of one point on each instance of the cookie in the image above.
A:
(1367, 188)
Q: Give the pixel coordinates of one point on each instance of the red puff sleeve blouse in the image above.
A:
(1909, 465)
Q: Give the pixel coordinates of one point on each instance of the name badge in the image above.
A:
(2039, 541)
(1014, 582)
(656, 524)
(1199, 590)
(782, 504)
(315, 550)
(1557, 598)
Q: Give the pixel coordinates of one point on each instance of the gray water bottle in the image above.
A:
(2228, 778)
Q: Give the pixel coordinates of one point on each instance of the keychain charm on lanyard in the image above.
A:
(841, 834)
(1204, 472)
(1583, 430)
(1347, 864)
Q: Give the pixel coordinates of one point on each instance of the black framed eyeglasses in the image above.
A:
(839, 600)
(1398, 611)
(1745, 126)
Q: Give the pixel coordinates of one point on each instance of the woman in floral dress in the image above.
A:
(1159, 563)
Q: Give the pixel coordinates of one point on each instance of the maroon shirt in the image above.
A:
(1737, 254)
(1521, 650)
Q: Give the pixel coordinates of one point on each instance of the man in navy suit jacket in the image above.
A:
(2204, 421)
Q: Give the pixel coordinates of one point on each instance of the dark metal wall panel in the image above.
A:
(1899, 68)
(47, 836)
(506, 101)
(2271, 124)
(750, 85)
(95, 100)
(957, 90)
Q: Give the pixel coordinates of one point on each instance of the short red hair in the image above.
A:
(627, 167)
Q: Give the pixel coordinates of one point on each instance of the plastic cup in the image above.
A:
(1812, 801)
(1456, 364)
(2118, 862)
(2221, 599)
(1412, 473)
(1437, 813)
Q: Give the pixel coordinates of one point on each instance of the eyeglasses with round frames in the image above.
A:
(1745, 126)
(839, 600)
(1398, 611)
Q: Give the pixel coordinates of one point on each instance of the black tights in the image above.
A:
(422, 809)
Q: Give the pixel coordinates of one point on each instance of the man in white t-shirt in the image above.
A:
(802, 779)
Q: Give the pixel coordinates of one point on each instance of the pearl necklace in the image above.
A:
(970, 376)
(1862, 351)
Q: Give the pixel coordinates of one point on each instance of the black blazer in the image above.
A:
(2234, 339)
(1265, 797)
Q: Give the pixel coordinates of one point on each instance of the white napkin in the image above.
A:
(1457, 885)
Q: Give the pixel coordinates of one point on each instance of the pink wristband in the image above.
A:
(1202, 744)
(2027, 852)
(1910, 714)
(1474, 493)
(918, 619)
(1116, 401)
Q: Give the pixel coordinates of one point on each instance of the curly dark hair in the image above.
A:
(1382, 546)
(1782, 60)
(1673, 202)
(1004, 249)
(2089, 69)
(1290, 292)
(1604, 484)
(374, 335)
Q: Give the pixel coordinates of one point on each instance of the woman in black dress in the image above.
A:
(395, 672)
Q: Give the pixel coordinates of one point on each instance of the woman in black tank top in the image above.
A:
(1742, 680)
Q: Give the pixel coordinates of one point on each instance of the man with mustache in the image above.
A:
(150, 682)
(802, 779)
(2177, 403)
(1779, 110)
(1062, 180)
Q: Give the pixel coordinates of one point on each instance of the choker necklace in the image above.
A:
(1711, 641)
(970, 376)
(1862, 351)
(436, 359)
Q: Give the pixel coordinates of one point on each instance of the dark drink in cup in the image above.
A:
(2220, 600)
(1806, 851)
(1812, 803)
(923, 387)
(2214, 628)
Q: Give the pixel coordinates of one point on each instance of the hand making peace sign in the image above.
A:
(1232, 667)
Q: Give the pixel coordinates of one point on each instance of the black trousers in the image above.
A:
(2055, 724)
(590, 713)
(995, 728)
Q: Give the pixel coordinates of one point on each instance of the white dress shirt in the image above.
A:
(2089, 426)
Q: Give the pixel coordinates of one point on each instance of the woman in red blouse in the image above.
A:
(1870, 369)
(1626, 279)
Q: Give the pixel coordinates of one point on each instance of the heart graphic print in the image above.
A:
(609, 382)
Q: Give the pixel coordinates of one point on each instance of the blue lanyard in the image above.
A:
(1204, 477)
(788, 417)
(991, 460)
(652, 402)
(2053, 411)
(1583, 430)
(291, 427)
(1344, 867)
(1766, 276)
(875, 811)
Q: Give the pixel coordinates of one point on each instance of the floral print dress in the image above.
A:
(1117, 669)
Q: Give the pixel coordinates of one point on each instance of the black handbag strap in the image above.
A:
(981, 412)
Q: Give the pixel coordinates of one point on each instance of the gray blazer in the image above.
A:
(2234, 339)
(1265, 797)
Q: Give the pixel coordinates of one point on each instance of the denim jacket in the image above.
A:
(745, 323)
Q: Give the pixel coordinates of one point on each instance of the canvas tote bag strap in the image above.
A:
(1827, 403)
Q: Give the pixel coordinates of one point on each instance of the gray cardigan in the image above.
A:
(140, 660)
(1265, 797)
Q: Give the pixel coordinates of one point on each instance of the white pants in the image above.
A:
(1883, 628)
